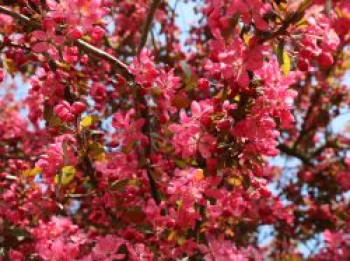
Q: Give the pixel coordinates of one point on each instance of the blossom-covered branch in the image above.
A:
(79, 42)
(190, 147)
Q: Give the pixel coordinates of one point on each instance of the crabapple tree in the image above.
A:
(125, 135)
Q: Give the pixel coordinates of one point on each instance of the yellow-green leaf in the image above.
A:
(237, 98)
(246, 38)
(178, 204)
(172, 235)
(57, 179)
(87, 121)
(186, 68)
(286, 63)
(180, 163)
(235, 181)
(67, 175)
(87, 38)
(181, 240)
(31, 172)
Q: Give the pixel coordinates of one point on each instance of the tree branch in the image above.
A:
(150, 15)
(145, 153)
(17, 157)
(24, 19)
(148, 150)
(295, 153)
(120, 66)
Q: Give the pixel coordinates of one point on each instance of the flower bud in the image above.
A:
(325, 59)
(78, 108)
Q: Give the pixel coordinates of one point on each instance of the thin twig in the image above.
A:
(295, 153)
(328, 7)
(24, 19)
(150, 15)
(145, 152)
(122, 67)
(18, 157)
(66, 163)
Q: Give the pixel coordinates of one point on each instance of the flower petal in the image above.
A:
(40, 47)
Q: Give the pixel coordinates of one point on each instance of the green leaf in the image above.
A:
(180, 163)
(20, 233)
(186, 68)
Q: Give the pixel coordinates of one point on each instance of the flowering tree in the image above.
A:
(132, 144)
